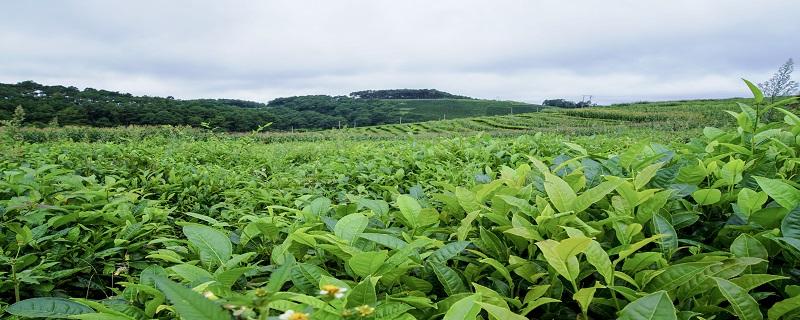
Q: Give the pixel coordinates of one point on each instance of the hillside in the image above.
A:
(659, 121)
(60, 105)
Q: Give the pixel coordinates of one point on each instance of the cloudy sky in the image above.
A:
(517, 50)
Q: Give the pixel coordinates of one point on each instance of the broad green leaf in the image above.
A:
(363, 293)
(746, 246)
(379, 207)
(464, 309)
(676, 275)
(644, 176)
(386, 240)
(213, 245)
(783, 307)
(306, 277)
(743, 305)
(598, 258)
(448, 251)
(560, 193)
(783, 193)
(500, 268)
(229, 277)
(750, 201)
(630, 249)
(790, 226)
(654, 306)
(757, 95)
(449, 279)
(101, 316)
(499, 313)
(368, 262)
(414, 214)
(492, 245)
(559, 254)
(751, 281)
(350, 226)
(669, 239)
(189, 304)
(47, 307)
(279, 276)
(593, 195)
(706, 196)
(584, 297)
(191, 273)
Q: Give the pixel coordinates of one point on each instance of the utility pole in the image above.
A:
(512, 110)
(340, 124)
(401, 119)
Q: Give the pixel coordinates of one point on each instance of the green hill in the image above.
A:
(50, 105)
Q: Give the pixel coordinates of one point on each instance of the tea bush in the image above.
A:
(497, 228)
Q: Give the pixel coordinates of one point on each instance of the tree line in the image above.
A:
(405, 94)
(50, 105)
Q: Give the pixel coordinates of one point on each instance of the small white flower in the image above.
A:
(333, 291)
(292, 315)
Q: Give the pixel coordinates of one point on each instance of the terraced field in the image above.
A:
(669, 116)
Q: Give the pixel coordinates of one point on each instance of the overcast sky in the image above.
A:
(515, 50)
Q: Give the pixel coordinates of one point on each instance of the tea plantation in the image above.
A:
(681, 210)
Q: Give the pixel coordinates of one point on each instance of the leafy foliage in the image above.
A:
(453, 229)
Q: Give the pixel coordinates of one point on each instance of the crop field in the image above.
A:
(461, 108)
(671, 210)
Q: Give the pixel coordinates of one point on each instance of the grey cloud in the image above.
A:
(527, 50)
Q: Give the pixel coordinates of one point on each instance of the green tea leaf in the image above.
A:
(654, 306)
(584, 297)
(593, 195)
(414, 214)
(598, 258)
(746, 246)
(757, 95)
(499, 312)
(363, 293)
(368, 262)
(706, 196)
(213, 245)
(47, 307)
(676, 275)
(350, 226)
(783, 307)
(190, 304)
(463, 309)
(644, 176)
(783, 193)
(669, 239)
(448, 251)
(790, 226)
(449, 279)
(560, 193)
(743, 305)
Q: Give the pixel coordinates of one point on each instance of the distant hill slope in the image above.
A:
(436, 109)
(47, 105)
(677, 117)
(405, 94)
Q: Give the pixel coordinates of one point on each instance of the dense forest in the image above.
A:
(45, 105)
(405, 94)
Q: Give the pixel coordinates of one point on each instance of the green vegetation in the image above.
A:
(629, 224)
(405, 94)
(59, 105)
